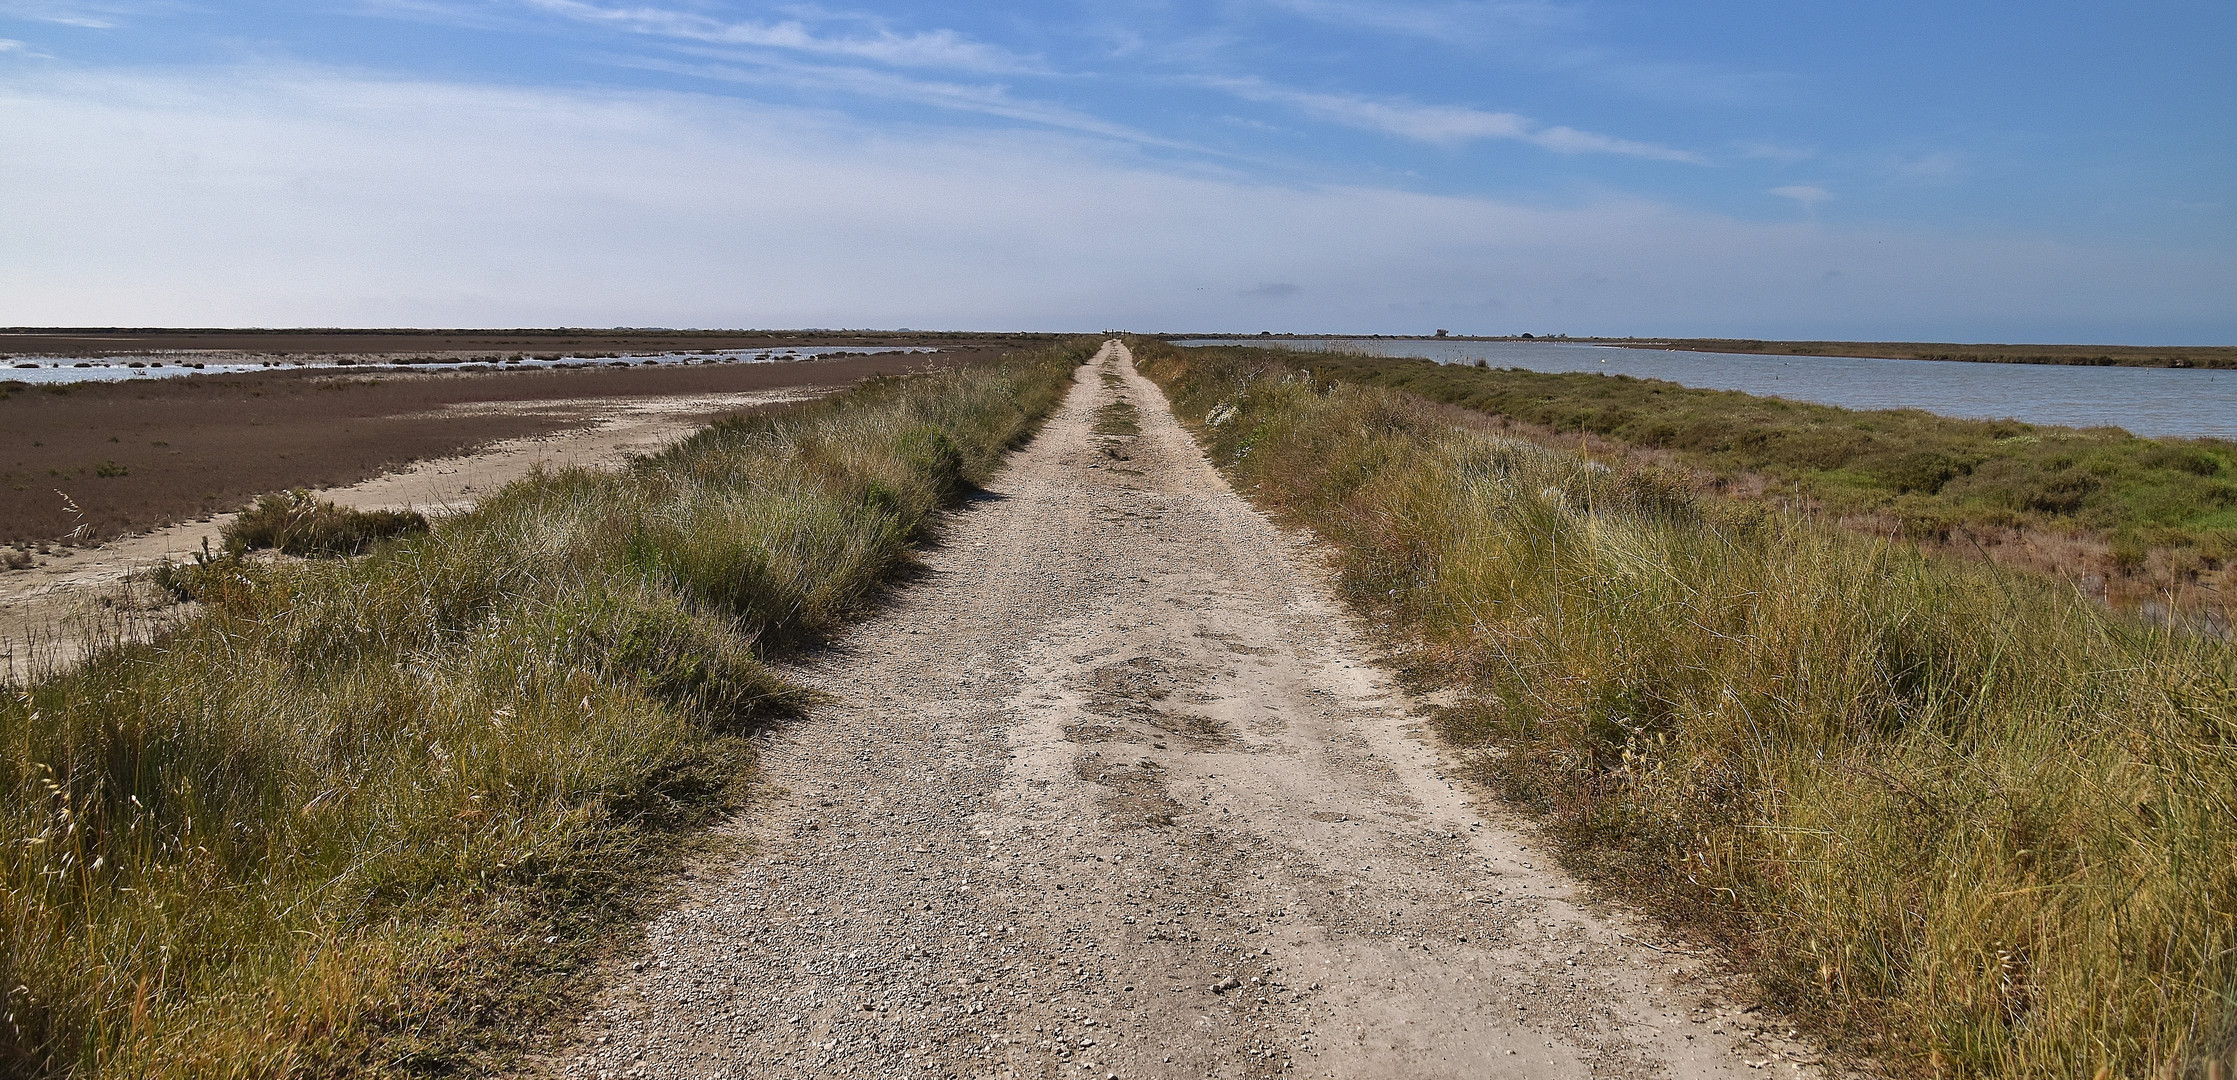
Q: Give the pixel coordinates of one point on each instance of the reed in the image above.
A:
(373, 817)
(1953, 815)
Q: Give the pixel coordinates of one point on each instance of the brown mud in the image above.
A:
(107, 459)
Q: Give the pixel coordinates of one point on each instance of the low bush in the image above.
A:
(1953, 814)
(297, 524)
(373, 817)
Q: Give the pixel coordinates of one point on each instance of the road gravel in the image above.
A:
(1116, 790)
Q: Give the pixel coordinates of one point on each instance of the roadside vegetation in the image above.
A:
(1952, 814)
(2139, 519)
(374, 816)
(297, 524)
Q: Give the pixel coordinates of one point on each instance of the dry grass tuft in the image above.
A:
(297, 524)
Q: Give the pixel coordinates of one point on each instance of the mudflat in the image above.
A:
(107, 459)
(74, 342)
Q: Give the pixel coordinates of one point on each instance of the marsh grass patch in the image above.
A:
(295, 523)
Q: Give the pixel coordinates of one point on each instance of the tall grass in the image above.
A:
(1956, 815)
(2158, 516)
(295, 523)
(368, 817)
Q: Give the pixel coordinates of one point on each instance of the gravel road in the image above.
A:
(1115, 791)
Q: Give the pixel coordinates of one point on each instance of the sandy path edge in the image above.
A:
(50, 614)
(1116, 791)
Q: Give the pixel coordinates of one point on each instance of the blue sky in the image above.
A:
(1954, 170)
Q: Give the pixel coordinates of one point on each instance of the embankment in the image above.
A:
(371, 817)
(1954, 815)
(2132, 520)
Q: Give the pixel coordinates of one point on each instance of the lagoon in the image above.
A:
(2157, 402)
(49, 371)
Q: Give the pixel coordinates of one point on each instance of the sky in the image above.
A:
(1954, 170)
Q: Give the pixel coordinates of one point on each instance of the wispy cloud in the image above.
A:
(1536, 35)
(1940, 167)
(1773, 151)
(1444, 125)
(984, 100)
(943, 49)
(1809, 195)
(1437, 21)
(91, 16)
(310, 204)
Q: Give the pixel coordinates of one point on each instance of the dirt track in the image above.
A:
(1116, 792)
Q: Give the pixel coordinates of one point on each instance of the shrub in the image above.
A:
(297, 524)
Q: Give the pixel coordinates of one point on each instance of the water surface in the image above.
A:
(2165, 402)
(48, 371)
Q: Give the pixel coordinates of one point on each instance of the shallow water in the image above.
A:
(2164, 402)
(48, 371)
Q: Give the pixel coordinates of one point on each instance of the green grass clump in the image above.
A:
(297, 524)
(1118, 418)
(373, 817)
(1954, 814)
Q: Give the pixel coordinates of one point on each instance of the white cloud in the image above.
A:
(1778, 152)
(1933, 168)
(956, 97)
(11, 45)
(86, 14)
(935, 49)
(1806, 194)
(260, 197)
(1443, 125)
(1437, 21)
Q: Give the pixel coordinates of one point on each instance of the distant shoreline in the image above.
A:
(2154, 356)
